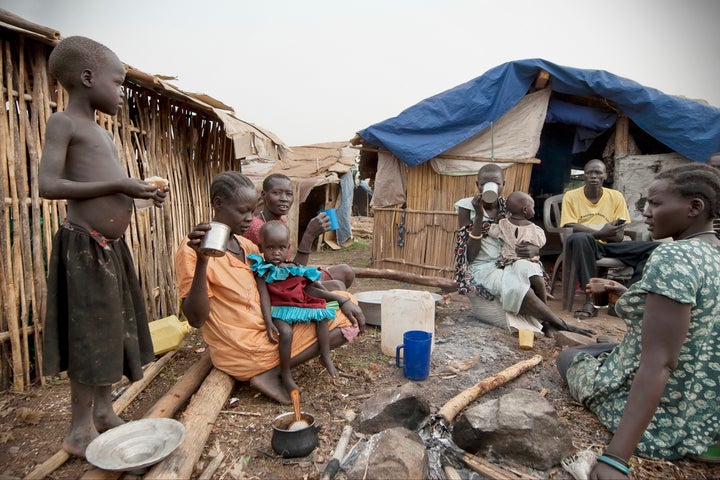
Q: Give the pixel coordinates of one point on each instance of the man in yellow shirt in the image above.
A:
(597, 216)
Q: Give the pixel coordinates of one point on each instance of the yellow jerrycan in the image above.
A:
(167, 333)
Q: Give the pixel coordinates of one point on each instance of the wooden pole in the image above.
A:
(34, 145)
(331, 469)
(12, 19)
(451, 473)
(212, 467)
(464, 398)
(169, 403)
(14, 304)
(406, 277)
(148, 375)
(198, 419)
(491, 471)
(621, 136)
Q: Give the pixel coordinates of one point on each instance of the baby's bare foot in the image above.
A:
(327, 362)
(340, 381)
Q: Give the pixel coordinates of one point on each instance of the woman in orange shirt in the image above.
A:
(220, 296)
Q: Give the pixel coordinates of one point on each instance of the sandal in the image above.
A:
(586, 311)
(711, 455)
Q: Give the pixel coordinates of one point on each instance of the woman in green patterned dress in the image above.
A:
(658, 390)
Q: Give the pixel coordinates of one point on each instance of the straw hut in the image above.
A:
(161, 130)
(538, 120)
(322, 177)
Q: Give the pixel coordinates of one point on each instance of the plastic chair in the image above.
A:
(551, 223)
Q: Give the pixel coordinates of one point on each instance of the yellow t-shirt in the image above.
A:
(576, 208)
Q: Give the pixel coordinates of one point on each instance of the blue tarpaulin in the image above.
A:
(441, 122)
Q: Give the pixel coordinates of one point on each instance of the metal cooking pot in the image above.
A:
(294, 443)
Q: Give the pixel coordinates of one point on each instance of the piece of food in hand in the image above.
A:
(159, 182)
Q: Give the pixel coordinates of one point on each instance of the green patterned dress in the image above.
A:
(687, 419)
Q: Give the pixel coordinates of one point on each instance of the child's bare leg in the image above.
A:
(537, 283)
(285, 349)
(82, 429)
(323, 336)
(104, 416)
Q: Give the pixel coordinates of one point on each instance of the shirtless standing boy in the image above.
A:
(96, 323)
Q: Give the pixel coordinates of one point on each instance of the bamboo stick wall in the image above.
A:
(430, 220)
(154, 134)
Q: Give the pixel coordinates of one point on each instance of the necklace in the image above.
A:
(697, 234)
(262, 215)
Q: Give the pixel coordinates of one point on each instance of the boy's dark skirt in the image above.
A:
(96, 325)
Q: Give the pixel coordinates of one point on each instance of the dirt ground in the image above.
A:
(33, 423)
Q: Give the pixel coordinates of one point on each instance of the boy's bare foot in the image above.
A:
(270, 385)
(103, 415)
(76, 442)
(106, 421)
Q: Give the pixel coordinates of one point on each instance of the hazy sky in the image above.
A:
(320, 70)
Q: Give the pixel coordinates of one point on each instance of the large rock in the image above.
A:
(393, 453)
(521, 426)
(393, 407)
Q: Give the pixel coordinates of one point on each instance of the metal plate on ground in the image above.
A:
(136, 444)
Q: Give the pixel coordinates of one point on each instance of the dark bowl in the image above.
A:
(294, 443)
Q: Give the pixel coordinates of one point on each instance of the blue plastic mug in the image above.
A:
(416, 357)
(332, 213)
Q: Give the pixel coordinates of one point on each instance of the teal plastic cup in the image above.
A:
(332, 213)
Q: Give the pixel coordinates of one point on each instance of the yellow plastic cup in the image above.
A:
(525, 339)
